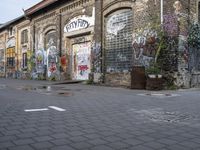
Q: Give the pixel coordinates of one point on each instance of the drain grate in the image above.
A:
(64, 94)
(2, 86)
(47, 90)
(159, 115)
(159, 95)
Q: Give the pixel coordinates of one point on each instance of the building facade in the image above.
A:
(24, 51)
(102, 40)
(2, 53)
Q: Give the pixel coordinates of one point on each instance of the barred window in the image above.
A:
(24, 60)
(118, 40)
(10, 54)
(24, 36)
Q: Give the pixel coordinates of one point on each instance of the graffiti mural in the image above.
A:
(116, 23)
(2, 61)
(40, 56)
(118, 47)
(52, 55)
(81, 61)
(145, 44)
(96, 56)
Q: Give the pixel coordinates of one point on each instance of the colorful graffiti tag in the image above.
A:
(52, 55)
(2, 61)
(145, 43)
(81, 59)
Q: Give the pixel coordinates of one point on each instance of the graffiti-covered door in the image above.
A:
(81, 61)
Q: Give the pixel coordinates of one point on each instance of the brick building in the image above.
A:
(62, 38)
(104, 40)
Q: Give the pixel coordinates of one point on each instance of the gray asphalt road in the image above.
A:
(85, 117)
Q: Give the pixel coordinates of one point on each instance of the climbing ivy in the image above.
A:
(194, 36)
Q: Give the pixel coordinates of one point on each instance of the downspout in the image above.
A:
(5, 62)
(60, 33)
(161, 11)
(102, 59)
(33, 35)
(17, 50)
(60, 37)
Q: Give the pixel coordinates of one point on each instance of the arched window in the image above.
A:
(118, 40)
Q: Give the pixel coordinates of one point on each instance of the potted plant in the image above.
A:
(154, 78)
(154, 72)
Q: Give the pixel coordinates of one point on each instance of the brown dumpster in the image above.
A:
(138, 78)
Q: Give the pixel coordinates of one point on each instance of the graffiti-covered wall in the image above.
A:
(45, 59)
(159, 35)
(23, 50)
(78, 46)
(52, 53)
(2, 55)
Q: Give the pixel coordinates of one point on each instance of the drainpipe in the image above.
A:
(161, 11)
(60, 34)
(33, 37)
(60, 38)
(5, 59)
(102, 50)
(17, 50)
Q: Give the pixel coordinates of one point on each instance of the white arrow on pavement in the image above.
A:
(44, 109)
(57, 108)
(32, 110)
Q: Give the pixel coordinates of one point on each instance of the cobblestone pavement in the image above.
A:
(96, 118)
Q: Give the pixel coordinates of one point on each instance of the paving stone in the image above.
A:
(78, 138)
(43, 132)
(118, 145)
(23, 141)
(189, 144)
(145, 138)
(167, 141)
(177, 147)
(42, 138)
(125, 135)
(26, 135)
(6, 144)
(11, 132)
(196, 140)
(26, 147)
(65, 147)
(101, 147)
(81, 145)
(140, 147)
(154, 145)
(61, 142)
(60, 135)
(7, 138)
(133, 142)
(112, 138)
(103, 120)
(92, 136)
(75, 133)
(42, 145)
(97, 142)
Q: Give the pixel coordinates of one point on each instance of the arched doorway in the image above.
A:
(118, 40)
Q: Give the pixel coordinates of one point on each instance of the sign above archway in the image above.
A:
(78, 23)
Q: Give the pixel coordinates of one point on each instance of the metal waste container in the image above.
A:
(138, 78)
